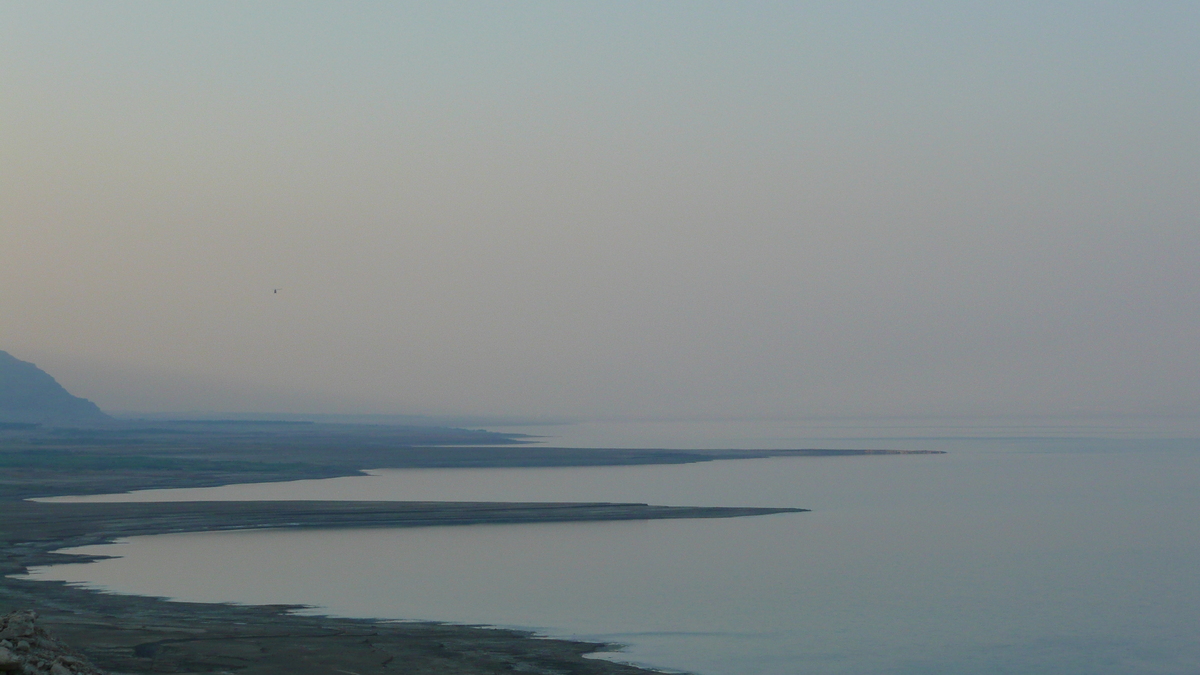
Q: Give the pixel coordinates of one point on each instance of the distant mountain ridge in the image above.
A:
(30, 394)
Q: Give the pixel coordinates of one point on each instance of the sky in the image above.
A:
(605, 209)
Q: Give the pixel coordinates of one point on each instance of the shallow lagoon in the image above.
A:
(1006, 555)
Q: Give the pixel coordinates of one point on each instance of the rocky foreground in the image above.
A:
(26, 648)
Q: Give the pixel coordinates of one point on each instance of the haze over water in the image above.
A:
(604, 210)
(1005, 555)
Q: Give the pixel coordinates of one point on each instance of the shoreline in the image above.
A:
(129, 633)
(136, 634)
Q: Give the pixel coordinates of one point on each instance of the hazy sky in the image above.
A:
(604, 209)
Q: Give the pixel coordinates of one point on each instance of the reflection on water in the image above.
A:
(1004, 556)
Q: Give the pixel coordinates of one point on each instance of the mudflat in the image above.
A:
(130, 634)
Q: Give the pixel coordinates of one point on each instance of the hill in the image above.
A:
(30, 394)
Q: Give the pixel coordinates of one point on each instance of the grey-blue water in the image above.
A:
(1053, 555)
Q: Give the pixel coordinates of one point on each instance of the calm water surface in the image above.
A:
(1005, 556)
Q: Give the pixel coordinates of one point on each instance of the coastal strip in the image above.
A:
(31, 527)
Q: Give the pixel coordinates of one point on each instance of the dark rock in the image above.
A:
(8, 660)
(18, 625)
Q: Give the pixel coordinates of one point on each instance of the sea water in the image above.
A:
(1005, 555)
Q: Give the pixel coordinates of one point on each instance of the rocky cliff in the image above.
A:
(29, 394)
